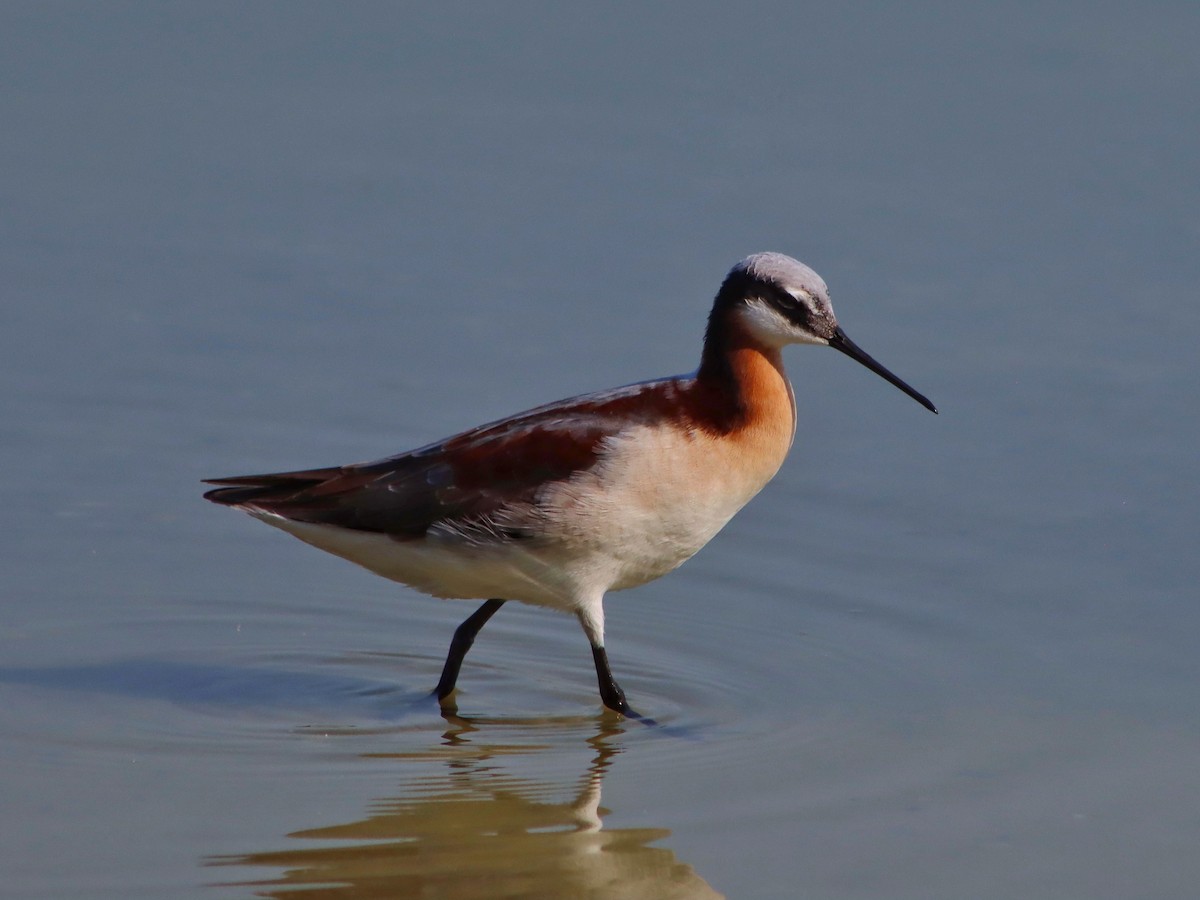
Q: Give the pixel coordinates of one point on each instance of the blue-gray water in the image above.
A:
(938, 657)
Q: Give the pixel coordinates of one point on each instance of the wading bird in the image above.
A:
(559, 505)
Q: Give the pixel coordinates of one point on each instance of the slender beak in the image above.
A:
(839, 341)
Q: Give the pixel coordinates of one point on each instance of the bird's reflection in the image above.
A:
(469, 830)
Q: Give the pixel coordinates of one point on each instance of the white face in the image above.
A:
(781, 301)
(789, 317)
(788, 304)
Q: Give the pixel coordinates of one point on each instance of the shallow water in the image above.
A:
(937, 657)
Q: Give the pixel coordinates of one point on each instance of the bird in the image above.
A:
(561, 504)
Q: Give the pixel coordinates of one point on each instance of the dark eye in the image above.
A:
(795, 308)
(785, 300)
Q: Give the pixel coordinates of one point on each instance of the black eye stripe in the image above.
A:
(794, 308)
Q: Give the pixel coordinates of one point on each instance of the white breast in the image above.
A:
(658, 496)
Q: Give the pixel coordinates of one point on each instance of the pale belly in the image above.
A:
(563, 574)
(530, 572)
(655, 500)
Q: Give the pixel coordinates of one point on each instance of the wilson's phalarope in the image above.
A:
(561, 504)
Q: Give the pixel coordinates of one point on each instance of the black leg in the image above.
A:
(610, 692)
(464, 637)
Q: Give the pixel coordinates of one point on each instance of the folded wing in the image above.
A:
(481, 483)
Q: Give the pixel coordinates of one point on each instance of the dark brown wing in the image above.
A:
(474, 480)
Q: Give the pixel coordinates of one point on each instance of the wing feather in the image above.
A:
(481, 484)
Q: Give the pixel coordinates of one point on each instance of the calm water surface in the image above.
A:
(937, 657)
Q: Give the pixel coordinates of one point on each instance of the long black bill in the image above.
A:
(839, 341)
